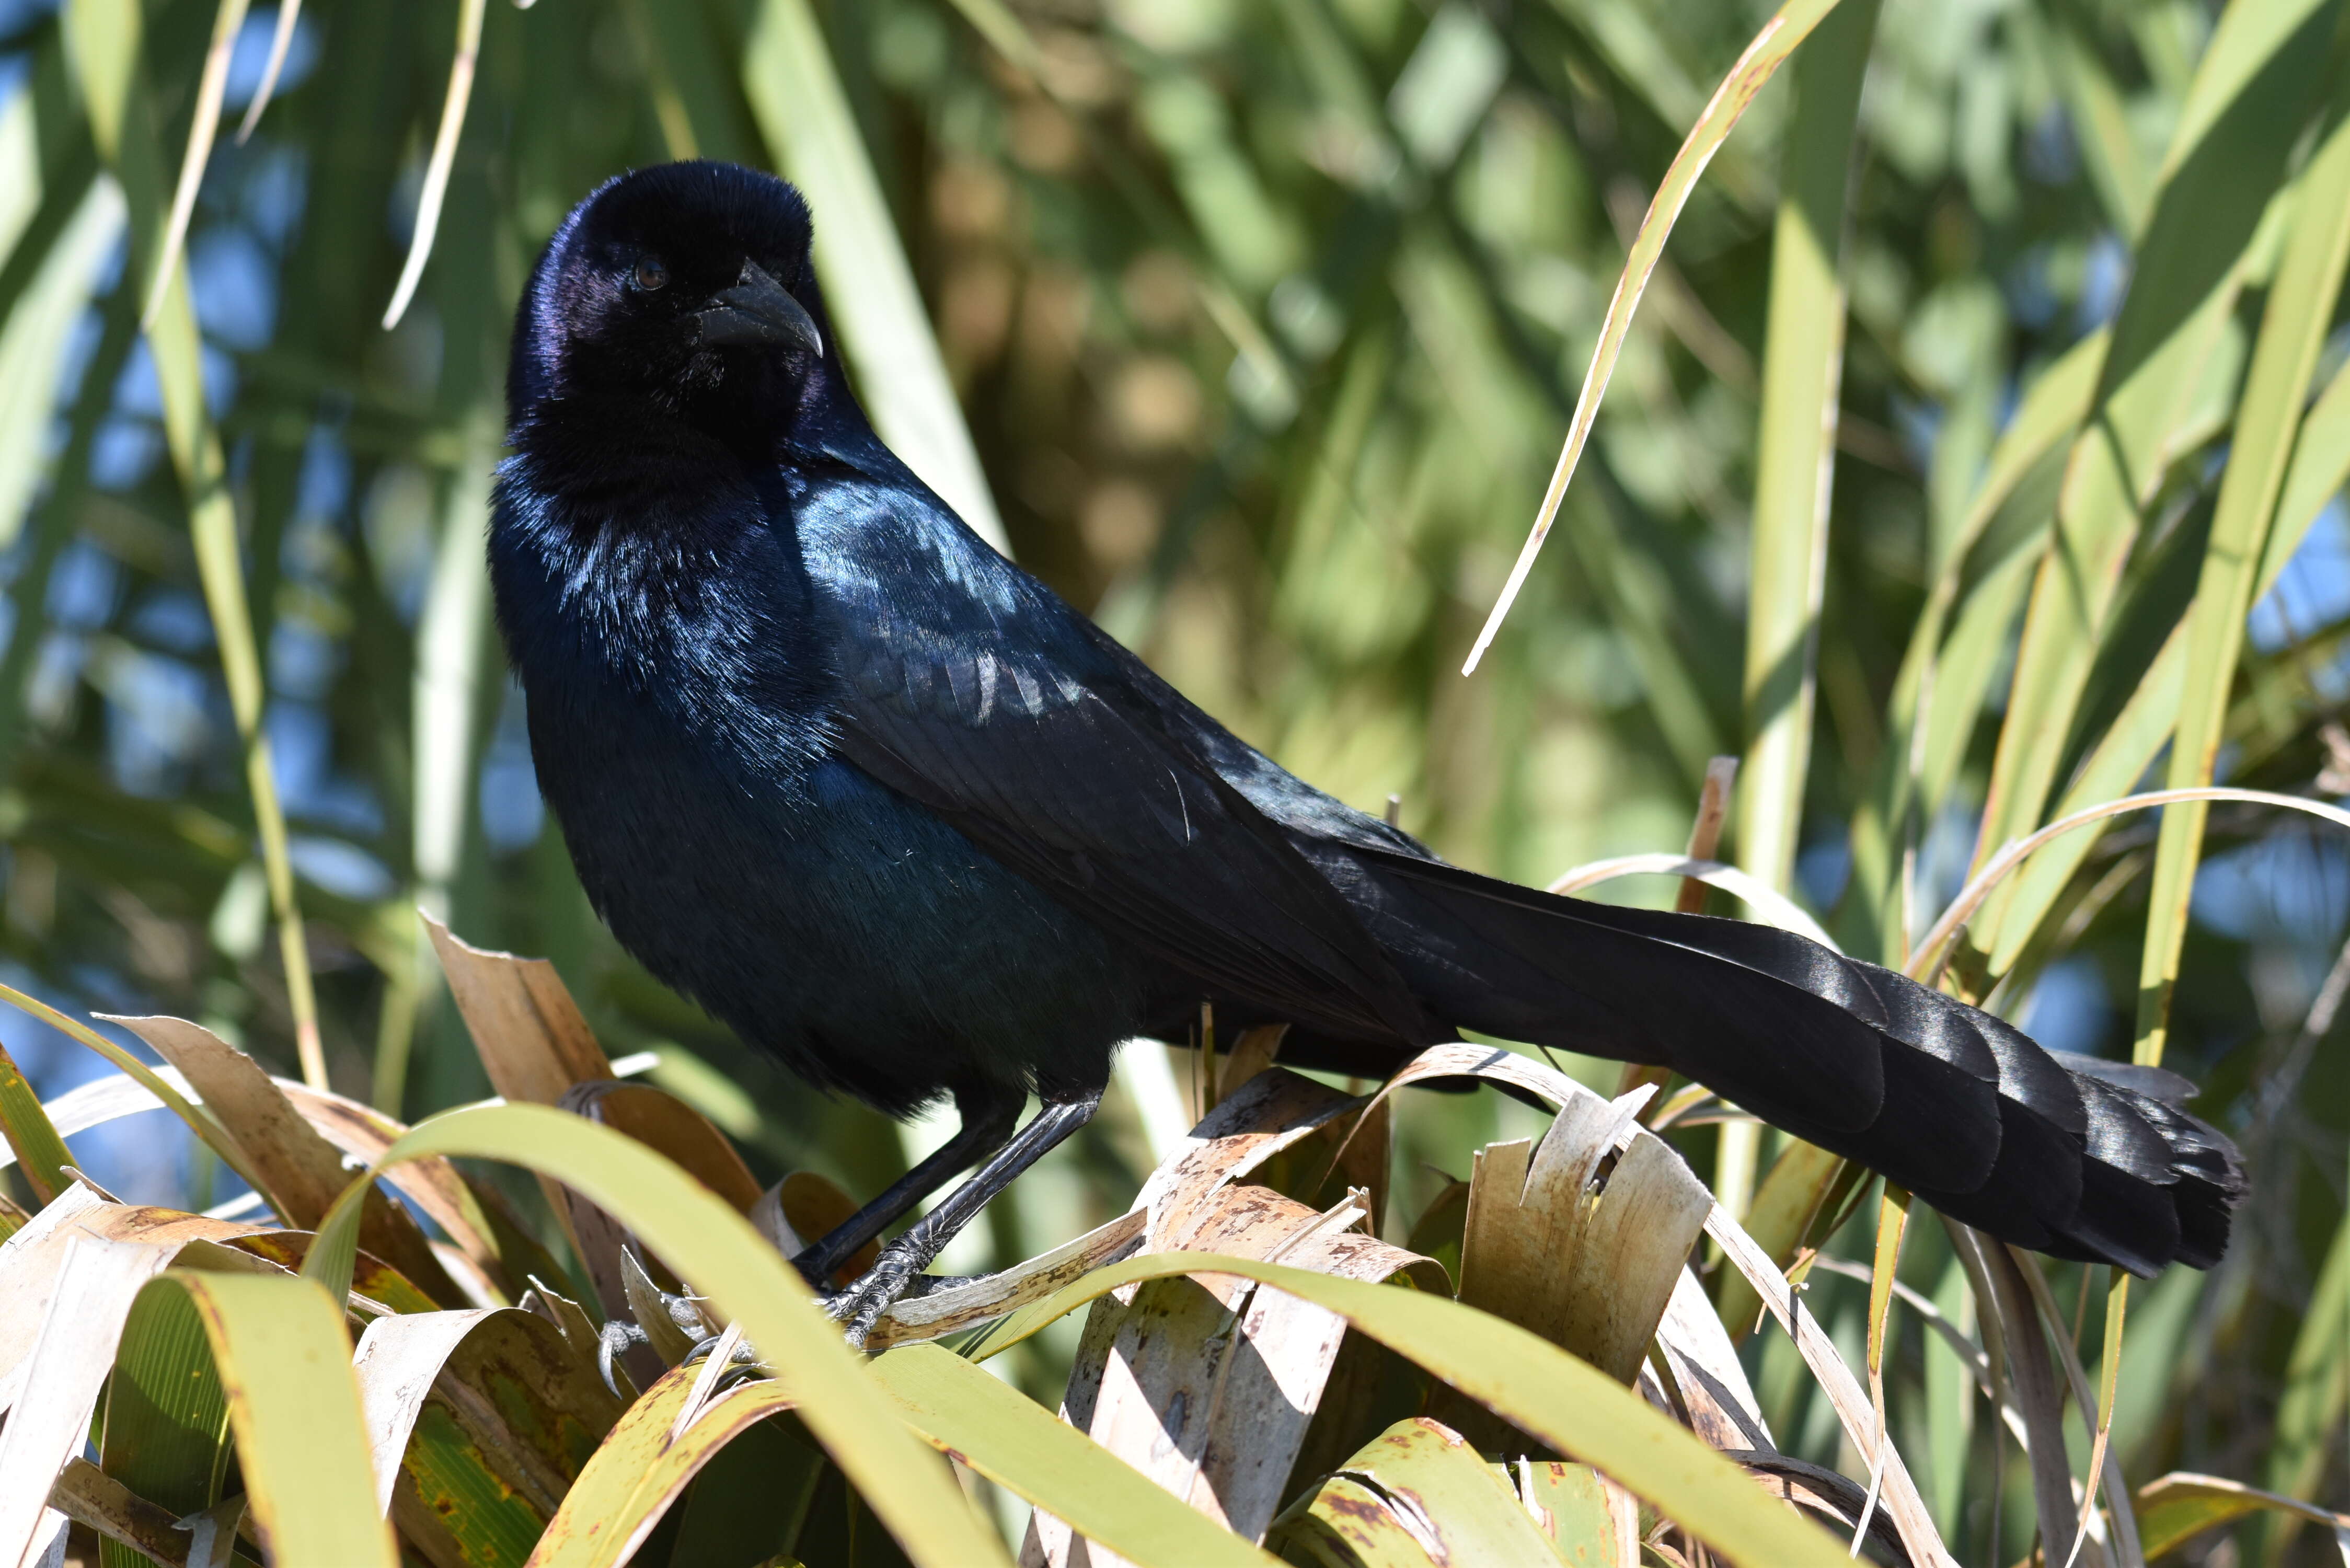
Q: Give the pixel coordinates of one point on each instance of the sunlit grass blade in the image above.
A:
(1760, 897)
(2117, 1310)
(2316, 1390)
(796, 94)
(1892, 1225)
(639, 1470)
(200, 134)
(1467, 1506)
(198, 1121)
(1780, 1293)
(1802, 376)
(1760, 1269)
(1937, 696)
(460, 1404)
(452, 643)
(41, 1154)
(1931, 952)
(2321, 464)
(302, 1173)
(1524, 1379)
(714, 1248)
(1788, 27)
(66, 1365)
(281, 38)
(1787, 544)
(2294, 323)
(2013, 1320)
(2095, 1414)
(165, 1427)
(1020, 1444)
(107, 38)
(444, 155)
(294, 1406)
(2247, 109)
(2321, 461)
(2177, 1508)
(38, 332)
(2108, 139)
(1791, 1204)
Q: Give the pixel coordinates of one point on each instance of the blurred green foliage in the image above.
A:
(1265, 321)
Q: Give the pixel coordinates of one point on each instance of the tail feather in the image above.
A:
(1962, 1108)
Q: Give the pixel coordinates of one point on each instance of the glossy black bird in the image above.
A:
(876, 798)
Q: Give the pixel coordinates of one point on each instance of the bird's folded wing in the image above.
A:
(1037, 751)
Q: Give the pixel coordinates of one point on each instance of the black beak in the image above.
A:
(757, 310)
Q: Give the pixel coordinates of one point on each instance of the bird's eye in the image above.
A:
(649, 275)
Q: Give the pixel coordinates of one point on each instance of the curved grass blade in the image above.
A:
(1771, 47)
(444, 156)
(1022, 1446)
(1520, 1376)
(40, 1151)
(1898, 1491)
(462, 1405)
(280, 40)
(66, 1364)
(2103, 1471)
(475, 1219)
(1763, 900)
(215, 1137)
(707, 1243)
(643, 1465)
(2321, 464)
(294, 1406)
(1935, 943)
(1794, 1197)
(165, 1431)
(88, 1495)
(202, 132)
(1758, 1268)
(1422, 1473)
(302, 1172)
(2173, 1510)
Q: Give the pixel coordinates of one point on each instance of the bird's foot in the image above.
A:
(616, 1339)
(858, 1305)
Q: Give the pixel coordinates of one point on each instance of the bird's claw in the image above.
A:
(617, 1336)
(744, 1353)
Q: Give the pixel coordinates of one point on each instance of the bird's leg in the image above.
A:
(861, 1304)
(988, 1117)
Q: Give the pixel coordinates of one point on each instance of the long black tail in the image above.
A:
(2063, 1157)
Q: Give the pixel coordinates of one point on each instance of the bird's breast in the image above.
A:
(685, 630)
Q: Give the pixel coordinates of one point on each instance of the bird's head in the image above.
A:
(683, 289)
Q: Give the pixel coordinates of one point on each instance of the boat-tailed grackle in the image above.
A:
(879, 800)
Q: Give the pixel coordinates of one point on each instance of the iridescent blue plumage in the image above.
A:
(883, 802)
